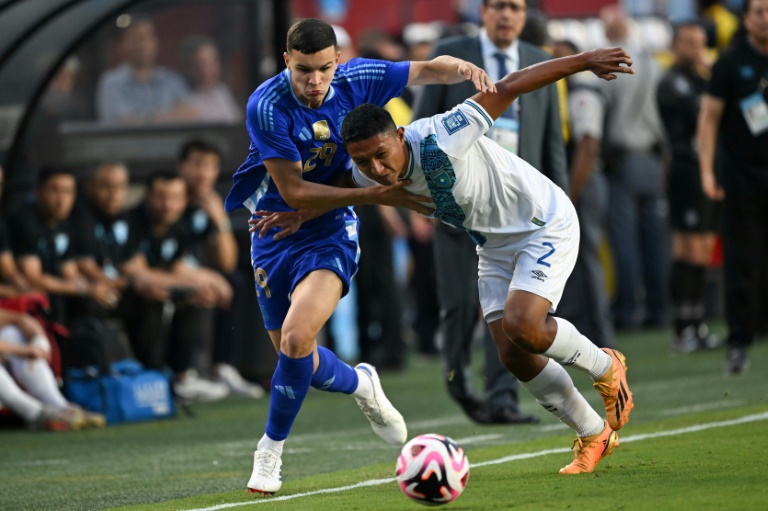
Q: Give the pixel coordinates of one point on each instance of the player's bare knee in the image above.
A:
(296, 342)
(524, 331)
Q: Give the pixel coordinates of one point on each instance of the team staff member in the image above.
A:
(736, 105)
(531, 129)
(692, 213)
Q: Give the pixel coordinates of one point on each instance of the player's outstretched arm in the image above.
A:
(301, 194)
(447, 70)
(604, 62)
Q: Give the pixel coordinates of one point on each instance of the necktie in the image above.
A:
(501, 60)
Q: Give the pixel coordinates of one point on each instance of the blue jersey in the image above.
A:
(280, 126)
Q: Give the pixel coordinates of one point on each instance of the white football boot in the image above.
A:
(266, 477)
(385, 420)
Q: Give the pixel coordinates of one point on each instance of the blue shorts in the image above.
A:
(329, 242)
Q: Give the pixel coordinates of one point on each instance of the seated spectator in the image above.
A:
(210, 97)
(42, 406)
(46, 250)
(215, 247)
(163, 244)
(139, 91)
(12, 282)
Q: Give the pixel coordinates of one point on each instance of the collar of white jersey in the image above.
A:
(410, 162)
(331, 90)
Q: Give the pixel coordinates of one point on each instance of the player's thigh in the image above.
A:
(313, 300)
(545, 261)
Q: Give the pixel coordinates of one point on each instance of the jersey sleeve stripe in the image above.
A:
(481, 111)
(265, 107)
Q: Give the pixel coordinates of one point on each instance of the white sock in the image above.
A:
(570, 348)
(272, 445)
(554, 390)
(16, 399)
(364, 388)
(35, 375)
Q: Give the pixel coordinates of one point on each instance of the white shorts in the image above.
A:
(539, 263)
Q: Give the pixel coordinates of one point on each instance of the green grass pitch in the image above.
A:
(186, 464)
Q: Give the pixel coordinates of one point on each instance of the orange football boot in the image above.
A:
(614, 388)
(588, 451)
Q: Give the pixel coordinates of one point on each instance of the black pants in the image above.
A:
(378, 301)
(424, 288)
(745, 248)
(229, 329)
(456, 264)
(153, 344)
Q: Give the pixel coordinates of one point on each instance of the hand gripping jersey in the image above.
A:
(476, 184)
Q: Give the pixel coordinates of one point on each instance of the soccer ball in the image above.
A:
(432, 470)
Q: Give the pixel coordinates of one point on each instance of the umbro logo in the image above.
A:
(538, 275)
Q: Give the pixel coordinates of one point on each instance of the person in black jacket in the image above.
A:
(692, 213)
(736, 106)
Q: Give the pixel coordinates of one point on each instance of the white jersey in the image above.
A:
(476, 184)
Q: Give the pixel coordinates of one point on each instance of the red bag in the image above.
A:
(37, 306)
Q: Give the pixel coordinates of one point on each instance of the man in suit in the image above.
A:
(531, 128)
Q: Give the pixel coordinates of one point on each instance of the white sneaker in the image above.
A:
(194, 388)
(385, 420)
(266, 477)
(236, 384)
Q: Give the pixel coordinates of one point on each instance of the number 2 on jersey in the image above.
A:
(325, 153)
(540, 260)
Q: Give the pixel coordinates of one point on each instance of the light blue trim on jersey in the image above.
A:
(371, 71)
(480, 111)
(441, 178)
(410, 162)
(252, 202)
(266, 106)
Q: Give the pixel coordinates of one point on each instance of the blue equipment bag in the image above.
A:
(127, 393)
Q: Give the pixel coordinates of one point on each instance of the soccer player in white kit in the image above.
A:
(527, 234)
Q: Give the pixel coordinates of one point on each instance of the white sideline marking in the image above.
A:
(477, 438)
(703, 407)
(375, 482)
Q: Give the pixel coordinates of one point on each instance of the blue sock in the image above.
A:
(290, 385)
(332, 374)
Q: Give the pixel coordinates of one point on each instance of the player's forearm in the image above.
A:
(539, 75)
(440, 70)
(309, 195)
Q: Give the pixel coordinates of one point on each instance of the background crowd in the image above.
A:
(153, 258)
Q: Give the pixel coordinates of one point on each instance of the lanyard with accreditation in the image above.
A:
(755, 108)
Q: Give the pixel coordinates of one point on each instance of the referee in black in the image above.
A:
(692, 213)
(736, 107)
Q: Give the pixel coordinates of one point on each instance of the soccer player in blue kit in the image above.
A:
(294, 121)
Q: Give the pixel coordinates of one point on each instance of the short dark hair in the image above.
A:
(161, 175)
(682, 25)
(366, 121)
(48, 173)
(747, 6)
(310, 35)
(197, 146)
